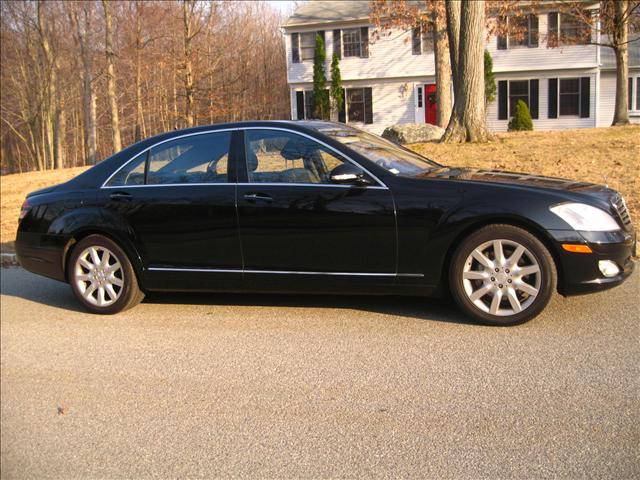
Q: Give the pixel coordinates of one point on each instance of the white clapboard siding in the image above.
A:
(541, 57)
(389, 56)
(608, 97)
(544, 122)
(393, 101)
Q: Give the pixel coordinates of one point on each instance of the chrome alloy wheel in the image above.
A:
(501, 277)
(98, 275)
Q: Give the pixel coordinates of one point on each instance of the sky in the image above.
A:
(285, 6)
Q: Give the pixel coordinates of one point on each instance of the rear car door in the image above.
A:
(300, 231)
(178, 198)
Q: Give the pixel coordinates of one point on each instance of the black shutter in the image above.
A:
(300, 105)
(585, 97)
(502, 39)
(629, 92)
(533, 30)
(533, 98)
(295, 48)
(503, 100)
(342, 114)
(364, 38)
(368, 106)
(553, 98)
(337, 43)
(416, 48)
(553, 29)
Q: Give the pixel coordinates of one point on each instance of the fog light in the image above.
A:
(608, 268)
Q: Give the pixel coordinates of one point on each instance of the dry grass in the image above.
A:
(585, 155)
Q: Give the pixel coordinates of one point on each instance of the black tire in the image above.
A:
(127, 296)
(547, 276)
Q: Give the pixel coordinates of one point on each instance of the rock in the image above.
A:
(413, 133)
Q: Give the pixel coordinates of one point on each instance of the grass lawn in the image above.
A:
(586, 155)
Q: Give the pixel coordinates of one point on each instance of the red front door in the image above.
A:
(430, 104)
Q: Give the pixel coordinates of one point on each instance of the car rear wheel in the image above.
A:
(101, 276)
(502, 275)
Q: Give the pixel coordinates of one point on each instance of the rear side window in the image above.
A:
(188, 160)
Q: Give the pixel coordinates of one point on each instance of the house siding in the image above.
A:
(544, 122)
(608, 98)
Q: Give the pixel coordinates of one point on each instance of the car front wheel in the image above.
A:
(502, 275)
(101, 276)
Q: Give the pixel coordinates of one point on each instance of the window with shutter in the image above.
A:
(295, 48)
(416, 47)
(307, 45)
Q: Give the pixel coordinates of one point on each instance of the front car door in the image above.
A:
(178, 198)
(300, 231)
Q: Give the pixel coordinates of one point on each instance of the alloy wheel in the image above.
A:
(501, 277)
(99, 276)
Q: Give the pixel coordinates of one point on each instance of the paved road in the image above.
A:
(276, 386)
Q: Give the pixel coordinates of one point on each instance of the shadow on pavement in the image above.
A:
(18, 283)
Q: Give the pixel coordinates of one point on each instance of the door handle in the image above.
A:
(120, 196)
(255, 197)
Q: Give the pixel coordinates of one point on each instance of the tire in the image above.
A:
(103, 288)
(507, 289)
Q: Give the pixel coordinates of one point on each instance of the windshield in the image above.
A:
(384, 153)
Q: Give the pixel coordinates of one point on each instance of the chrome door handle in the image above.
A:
(120, 196)
(254, 197)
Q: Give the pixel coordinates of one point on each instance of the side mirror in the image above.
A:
(349, 174)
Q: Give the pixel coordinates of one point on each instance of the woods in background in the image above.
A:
(81, 80)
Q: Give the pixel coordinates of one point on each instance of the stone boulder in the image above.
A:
(413, 133)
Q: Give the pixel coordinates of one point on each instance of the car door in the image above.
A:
(178, 198)
(299, 230)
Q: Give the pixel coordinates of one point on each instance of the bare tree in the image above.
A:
(111, 77)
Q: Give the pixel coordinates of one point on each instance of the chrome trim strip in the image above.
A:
(381, 185)
(155, 145)
(282, 272)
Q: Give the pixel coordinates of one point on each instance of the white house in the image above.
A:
(389, 76)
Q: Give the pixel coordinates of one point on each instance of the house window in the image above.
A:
(421, 41)
(358, 106)
(307, 45)
(570, 96)
(518, 90)
(523, 31)
(355, 104)
(419, 97)
(573, 30)
(633, 94)
(351, 43)
(308, 104)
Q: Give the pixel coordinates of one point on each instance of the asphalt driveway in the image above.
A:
(298, 386)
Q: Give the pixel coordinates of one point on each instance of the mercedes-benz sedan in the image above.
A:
(320, 207)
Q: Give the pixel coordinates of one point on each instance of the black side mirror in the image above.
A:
(349, 174)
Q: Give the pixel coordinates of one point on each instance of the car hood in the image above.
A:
(521, 179)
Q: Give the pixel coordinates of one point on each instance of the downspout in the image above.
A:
(597, 102)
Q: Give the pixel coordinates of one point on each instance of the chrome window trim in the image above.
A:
(282, 272)
(104, 184)
(380, 186)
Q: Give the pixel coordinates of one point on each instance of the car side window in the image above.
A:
(276, 156)
(194, 159)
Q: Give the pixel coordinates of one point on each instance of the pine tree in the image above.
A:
(489, 80)
(320, 94)
(337, 93)
(521, 118)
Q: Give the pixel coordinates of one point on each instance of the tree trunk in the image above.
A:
(137, 134)
(468, 122)
(443, 69)
(111, 78)
(188, 66)
(621, 50)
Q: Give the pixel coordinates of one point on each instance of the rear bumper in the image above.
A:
(41, 254)
(579, 272)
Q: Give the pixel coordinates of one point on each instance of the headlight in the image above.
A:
(585, 217)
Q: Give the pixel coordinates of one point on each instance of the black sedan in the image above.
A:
(318, 207)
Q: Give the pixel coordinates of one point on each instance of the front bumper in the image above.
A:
(579, 272)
